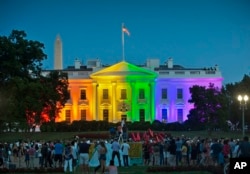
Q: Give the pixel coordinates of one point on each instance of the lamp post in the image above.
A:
(243, 105)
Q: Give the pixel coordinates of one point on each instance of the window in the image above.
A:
(164, 114)
(141, 94)
(83, 114)
(164, 93)
(142, 115)
(105, 94)
(123, 94)
(105, 115)
(83, 94)
(180, 115)
(124, 117)
(67, 116)
(179, 93)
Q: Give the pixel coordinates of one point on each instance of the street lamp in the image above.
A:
(243, 106)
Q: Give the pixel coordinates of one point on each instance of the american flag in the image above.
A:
(125, 30)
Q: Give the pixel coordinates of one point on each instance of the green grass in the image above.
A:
(142, 170)
(11, 137)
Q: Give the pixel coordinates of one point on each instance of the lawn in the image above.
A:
(11, 137)
(142, 170)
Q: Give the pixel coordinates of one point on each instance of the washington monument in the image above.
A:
(58, 59)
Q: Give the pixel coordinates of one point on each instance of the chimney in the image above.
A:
(170, 62)
(77, 63)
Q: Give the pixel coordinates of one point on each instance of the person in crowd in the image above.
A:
(125, 132)
(145, 149)
(172, 152)
(15, 152)
(232, 145)
(161, 153)
(68, 158)
(216, 149)
(226, 150)
(165, 152)
(98, 150)
(50, 155)
(203, 149)
(178, 151)
(74, 154)
(125, 151)
(244, 148)
(44, 153)
(112, 169)
(194, 153)
(83, 149)
(235, 153)
(58, 153)
(27, 157)
(156, 152)
(39, 154)
(32, 152)
(184, 153)
(115, 146)
(112, 132)
(103, 157)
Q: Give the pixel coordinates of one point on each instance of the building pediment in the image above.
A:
(124, 70)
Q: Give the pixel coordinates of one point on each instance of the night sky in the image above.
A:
(195, 33)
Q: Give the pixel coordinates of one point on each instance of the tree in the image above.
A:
(23, 93)
(232, 91)
(54, 101)
(20, 64)
(209, 107)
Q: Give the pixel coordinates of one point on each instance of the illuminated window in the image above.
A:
(83, 114)
(179, 93)
(164, 114)
(164, 93)
(124, 117)
(123, 94)
(83, 94)
(180, 115)
(105, 115)
(67, 116)
(142, 115)
(141, 94)
(105, 94)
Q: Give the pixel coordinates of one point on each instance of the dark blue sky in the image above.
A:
(196, 33)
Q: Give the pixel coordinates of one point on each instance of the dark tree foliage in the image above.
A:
(21, 90)
(54, 101)
(209, 107)
(20, 64)
(19, 57)
(232, 91)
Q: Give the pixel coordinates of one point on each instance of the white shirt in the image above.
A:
(125, 148)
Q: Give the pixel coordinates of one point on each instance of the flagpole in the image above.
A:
(123, 52)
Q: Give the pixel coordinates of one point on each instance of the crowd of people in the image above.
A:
(171, 151)
(176, 151)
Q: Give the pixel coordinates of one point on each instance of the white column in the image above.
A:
(133, 102)
(114, 116)
(152, 100)
(94, 116)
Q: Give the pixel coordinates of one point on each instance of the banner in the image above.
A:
(135, 150)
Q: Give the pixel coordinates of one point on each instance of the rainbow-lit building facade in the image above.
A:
(133, 92)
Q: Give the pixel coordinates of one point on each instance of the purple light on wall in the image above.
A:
(174, 105)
